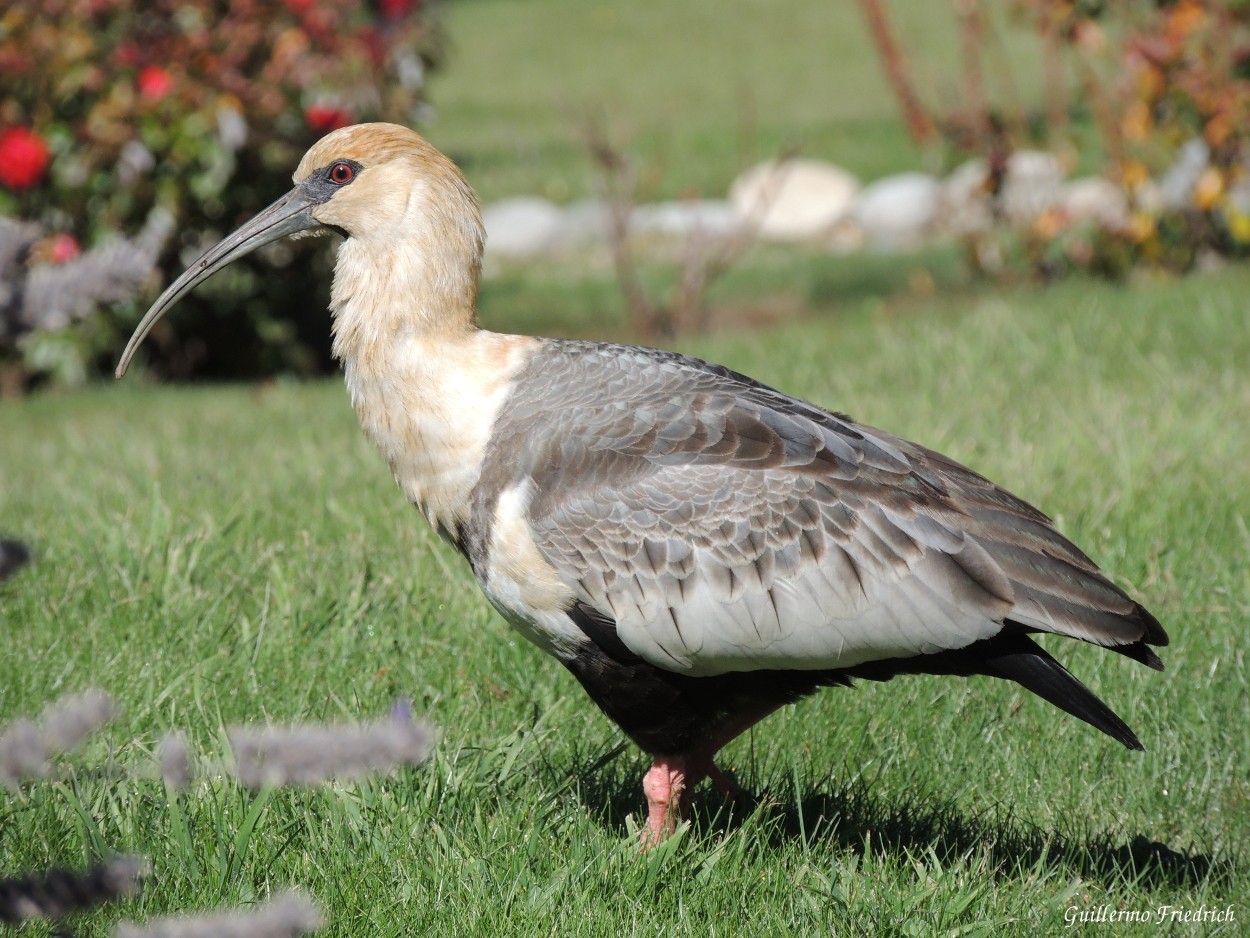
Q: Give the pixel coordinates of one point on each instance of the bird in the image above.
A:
(696, 547)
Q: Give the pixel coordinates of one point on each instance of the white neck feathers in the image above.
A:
(426, 383)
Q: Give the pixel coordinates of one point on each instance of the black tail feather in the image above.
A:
(1020, 659)
(1139, 651)
(1016, 657)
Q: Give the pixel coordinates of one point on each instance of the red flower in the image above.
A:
(394, 9)
(23, 157)
(324, 118)
(128, 54)
(62, 247)
(155, 83)
(374, 45)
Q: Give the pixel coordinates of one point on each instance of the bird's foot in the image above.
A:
(666, 788)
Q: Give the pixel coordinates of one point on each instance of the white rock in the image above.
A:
(521, 226)
(793, 200)
(1094, 199)
(1031, 185)
(1148, 197)
(1237, 198)
(897, 212)
(964, 201)
(1177, 185)
(584, 223)
(709, 217)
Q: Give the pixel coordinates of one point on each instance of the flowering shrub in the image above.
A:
(110, 109)
(1172, 102)
(1166, 84)
(1186, 121)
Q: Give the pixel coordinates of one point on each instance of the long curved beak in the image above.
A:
(290, 214)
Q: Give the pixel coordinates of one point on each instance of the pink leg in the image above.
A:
(666, 789)
(671, 779)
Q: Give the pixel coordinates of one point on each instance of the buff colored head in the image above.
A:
(376, 183)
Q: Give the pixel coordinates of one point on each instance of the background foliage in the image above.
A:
(1168, 83)
(202, 107)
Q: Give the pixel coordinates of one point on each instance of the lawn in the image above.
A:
(698, 90)
(235, 554)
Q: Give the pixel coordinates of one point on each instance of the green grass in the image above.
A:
(699, 89)
(237, 554)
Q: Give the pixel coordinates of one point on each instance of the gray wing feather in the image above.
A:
(725, 526)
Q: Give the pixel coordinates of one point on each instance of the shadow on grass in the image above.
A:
(855, 819)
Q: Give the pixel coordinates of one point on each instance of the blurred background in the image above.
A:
(647, 170)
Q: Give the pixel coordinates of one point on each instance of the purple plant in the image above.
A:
(310, 754)
(287, 914)
(58, 892)
(26, 746)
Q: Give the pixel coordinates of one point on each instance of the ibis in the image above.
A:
(697, 548)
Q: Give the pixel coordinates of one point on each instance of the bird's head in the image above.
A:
(378, 184)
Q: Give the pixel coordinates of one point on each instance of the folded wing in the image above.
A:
(725, 527)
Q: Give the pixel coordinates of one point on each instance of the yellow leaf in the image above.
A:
(1209, 188)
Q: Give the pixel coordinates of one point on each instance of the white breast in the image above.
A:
(429, 404)
(521, 584)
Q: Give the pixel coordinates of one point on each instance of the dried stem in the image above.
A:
(919, 124)
(704, 257)
(618, 180)
(1054, 83)
(972, 40)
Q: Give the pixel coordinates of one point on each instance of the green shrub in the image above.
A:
(110, 109)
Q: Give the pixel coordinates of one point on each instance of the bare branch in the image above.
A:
(919, 124)
(618, 185)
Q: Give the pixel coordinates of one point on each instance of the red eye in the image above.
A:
(341, 173)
